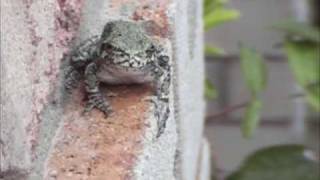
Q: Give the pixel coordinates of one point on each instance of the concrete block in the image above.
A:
(34, 36)
(204, 165)
(190, 78)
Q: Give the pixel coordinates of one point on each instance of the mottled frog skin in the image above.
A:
(123, 54)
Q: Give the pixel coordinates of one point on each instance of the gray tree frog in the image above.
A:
(123, 54)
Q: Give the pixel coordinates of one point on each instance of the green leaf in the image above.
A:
(212, 5)
(251, 118)
(210, 90)
(213, 51)
(304, 61)
(208, 3)
(208, 6)
(219, 16)
(254, 70)
(300, 29)
(283, 162)
(313, 96)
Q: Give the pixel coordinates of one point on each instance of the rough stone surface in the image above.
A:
(44, 135)
(34, 35)
(92, 147)
(156, 158)
(190, 78)
(204, 166)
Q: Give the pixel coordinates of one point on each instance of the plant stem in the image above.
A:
(226, 111)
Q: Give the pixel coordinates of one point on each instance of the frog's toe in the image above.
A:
(107, 110)
(85, 112)
(98, 104)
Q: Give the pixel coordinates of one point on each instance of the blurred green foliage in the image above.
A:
(211, 50)
(251, 117)
(210, 90)
(283, 162)
(255, 75)
(215, 14)
(302, 47)
(254, 70)
(219, 16)
(304, 62)
(299, 29)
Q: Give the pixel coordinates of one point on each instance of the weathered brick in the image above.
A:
(44, 136)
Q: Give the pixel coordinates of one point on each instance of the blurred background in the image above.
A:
(285, 115)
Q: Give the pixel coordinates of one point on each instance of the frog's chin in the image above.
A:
(115, 74)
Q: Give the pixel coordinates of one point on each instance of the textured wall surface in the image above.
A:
(44, 135)
(34, 35)
(204, 166)
(190, 78)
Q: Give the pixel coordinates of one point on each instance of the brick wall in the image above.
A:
(44, 136)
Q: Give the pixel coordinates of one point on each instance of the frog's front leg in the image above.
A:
(162, 76)
(95, 98)
(72, 78)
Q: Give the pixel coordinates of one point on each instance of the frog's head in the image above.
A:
(126, 44)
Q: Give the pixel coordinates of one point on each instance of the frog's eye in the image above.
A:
(163, 61)
(106, 47)
(152, 47)
(151, 50)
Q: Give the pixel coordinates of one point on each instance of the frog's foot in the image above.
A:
(161, 112)
(97, 101)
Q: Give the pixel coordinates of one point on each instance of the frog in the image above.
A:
(124, 53)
